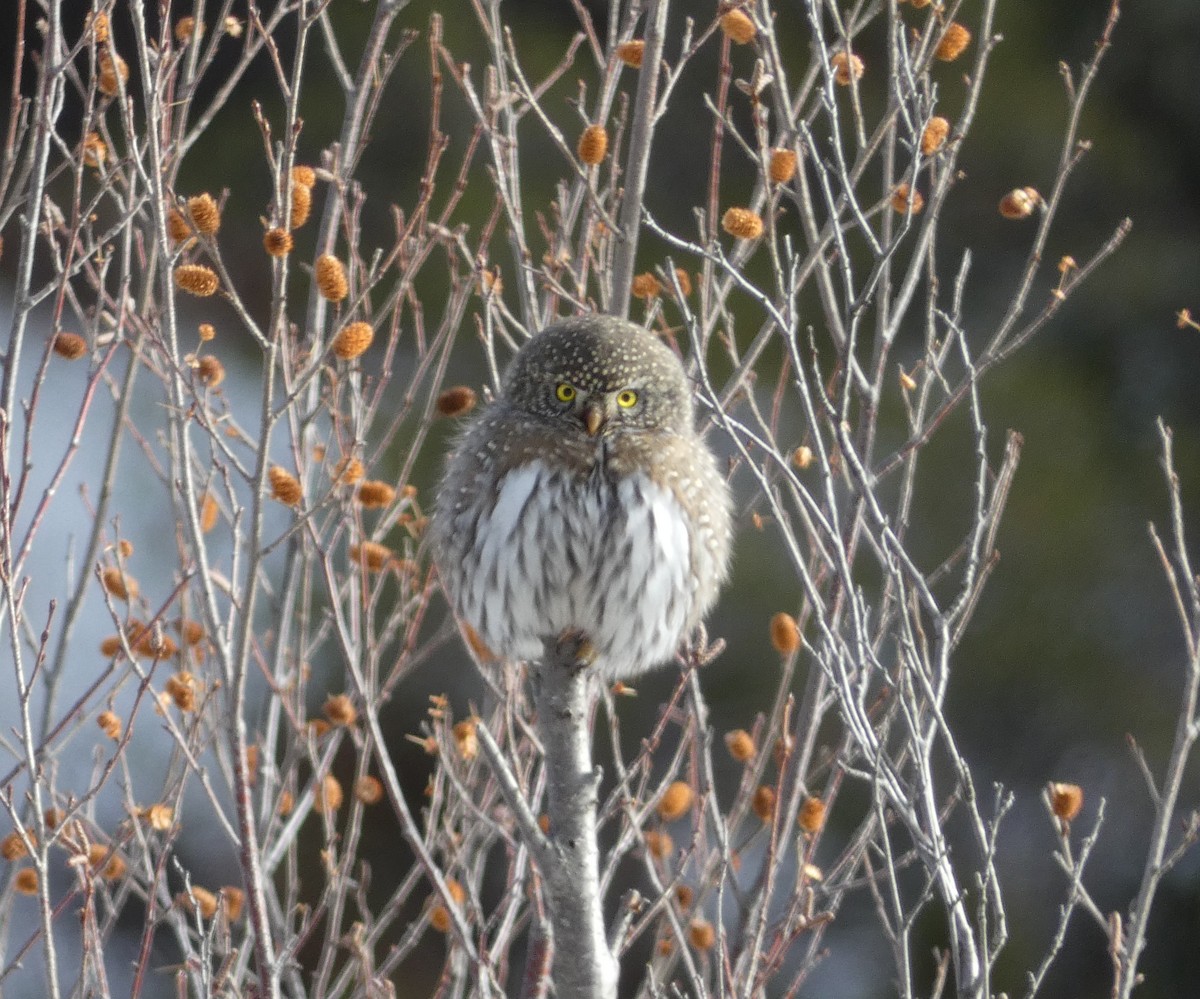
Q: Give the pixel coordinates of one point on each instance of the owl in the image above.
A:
(582, 500)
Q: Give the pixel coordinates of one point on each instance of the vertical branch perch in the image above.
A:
(584, 967)
(638, 162)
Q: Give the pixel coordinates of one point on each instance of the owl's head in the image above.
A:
(601, 375)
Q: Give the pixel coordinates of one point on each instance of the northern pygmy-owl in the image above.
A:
(583, 500)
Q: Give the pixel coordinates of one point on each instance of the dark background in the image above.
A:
(1074, 644)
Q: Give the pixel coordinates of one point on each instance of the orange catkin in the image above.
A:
(196, 279)
(632, 53)
(374, 494)
(593, 144)
(954, 42)
(371, 554)
(204, 213)
(676, 800)
(352, 341)
(301, 204)
(645, 286)
(69, 345)
(785, 635)
(456, 400)
(782, 167)
(285, 487)
(846, 68)
(737, 27)
(331, 278)
(742, 223)
(934, 136)
(277, 242)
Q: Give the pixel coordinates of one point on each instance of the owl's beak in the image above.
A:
(593, 417)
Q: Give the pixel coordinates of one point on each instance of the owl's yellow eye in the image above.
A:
(627, 398)
(564, 392)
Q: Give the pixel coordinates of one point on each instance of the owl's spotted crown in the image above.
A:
(600, 355)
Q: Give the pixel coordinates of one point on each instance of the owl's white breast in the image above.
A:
(610, 558)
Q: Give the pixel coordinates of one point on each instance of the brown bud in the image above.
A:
(466, 739)
(349, 470)
(1019, 203)
(97, 24)
(109, 724)
(209, 511)
(301, 204)
(196, 279)
(701, 934)
(13, 847)
(374, 494)
(192, 632)
(632, 52)
(331, 277)
(763, 802)
(846, 68)
(645, 286)
(675, 802)
(782, 167)
(1066, 800)
(207, 332)
(26, 881)
(113, 72)
(742, 223)
(738, 27)
(278, 242)
(439, 916)
(199, 898)
(94, 150)
(903, 198)
(340, 710)
(812, 815)
(204, 213)
(285, 487)
(109, 866)
(233, 901)
(375, 556)
(740, 744)
(457, 400)
(210, 370)
(659, 844)
(303, 176)
(593, 145)
(368, 790)
(177, 226)
(934, 136)
(118, 583)
(185, 29)
(329, 796)
(151, 642)
(954, 42)
(785, 633)
(182, 688)
(159, 817)
(70, 346)
(803, 456)
(352, 341)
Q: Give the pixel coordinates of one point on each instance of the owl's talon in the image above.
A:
(574, 647)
